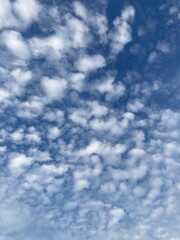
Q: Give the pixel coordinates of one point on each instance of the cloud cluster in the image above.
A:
(87, 148)
(17, 15)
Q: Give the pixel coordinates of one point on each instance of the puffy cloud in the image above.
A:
(100, 24)
(116, 215)
(74, 35)
(108, 188)
(136, 153)
(33, 136)
(110, 153)
(77, 81)
(54, 132)
(54, 44)
(7, 18)
(86, 143)
(135, 173)
(79, 33)
(27, 14)
(55, 170)
(122, 30)
(15, 43)
(80, 9)
(135, 106)
(97, 109)
(90, 63)
(54, 88)
(79, 117)
(81, 184)
(19, 163)
(16, 14)
(18, 80)
(22, 76)
(17, 135)
(4, 95)
(111, 89)
(55, 116)
(31, 108)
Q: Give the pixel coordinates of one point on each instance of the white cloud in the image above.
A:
(15, 217)
(100, 24)
(7, 18)
(16, 14)
(133, 173)
(52, 46)
(108, 188)
(54, 170)
(122, 30)
(110, 88)
(3, 149)
(80, 9)
(31, 108)
(110, 125)
(139, 191)
(79, 117)
(139, 172)
(83, 162)
(22, 76)
(91, 109)
(96, 21)
(55, 115)
(15, 43)
(128, 14)
(37, 155)
(19, 163)
(54, 132)
(98, 110)
(77, 81)
(116, 215)
(137, 153)
(90, 63)
(104, 149)
(4, 95)
(78, 34)
(33, 137)
(101, 125)
(135, 106)
(17, 135)
(18, 80)
(54, 88)
(74, 34)
(27, 13)
(152, 57)
(81, 184)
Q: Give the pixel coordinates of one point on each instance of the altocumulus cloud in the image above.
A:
(89, 120)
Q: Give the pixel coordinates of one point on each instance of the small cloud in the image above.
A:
(15, 43)
(116, 215)
(54, 88)
(121, 34)
(90, 63)
(27, 14)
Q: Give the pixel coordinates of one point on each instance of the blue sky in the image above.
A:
(89, 120)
